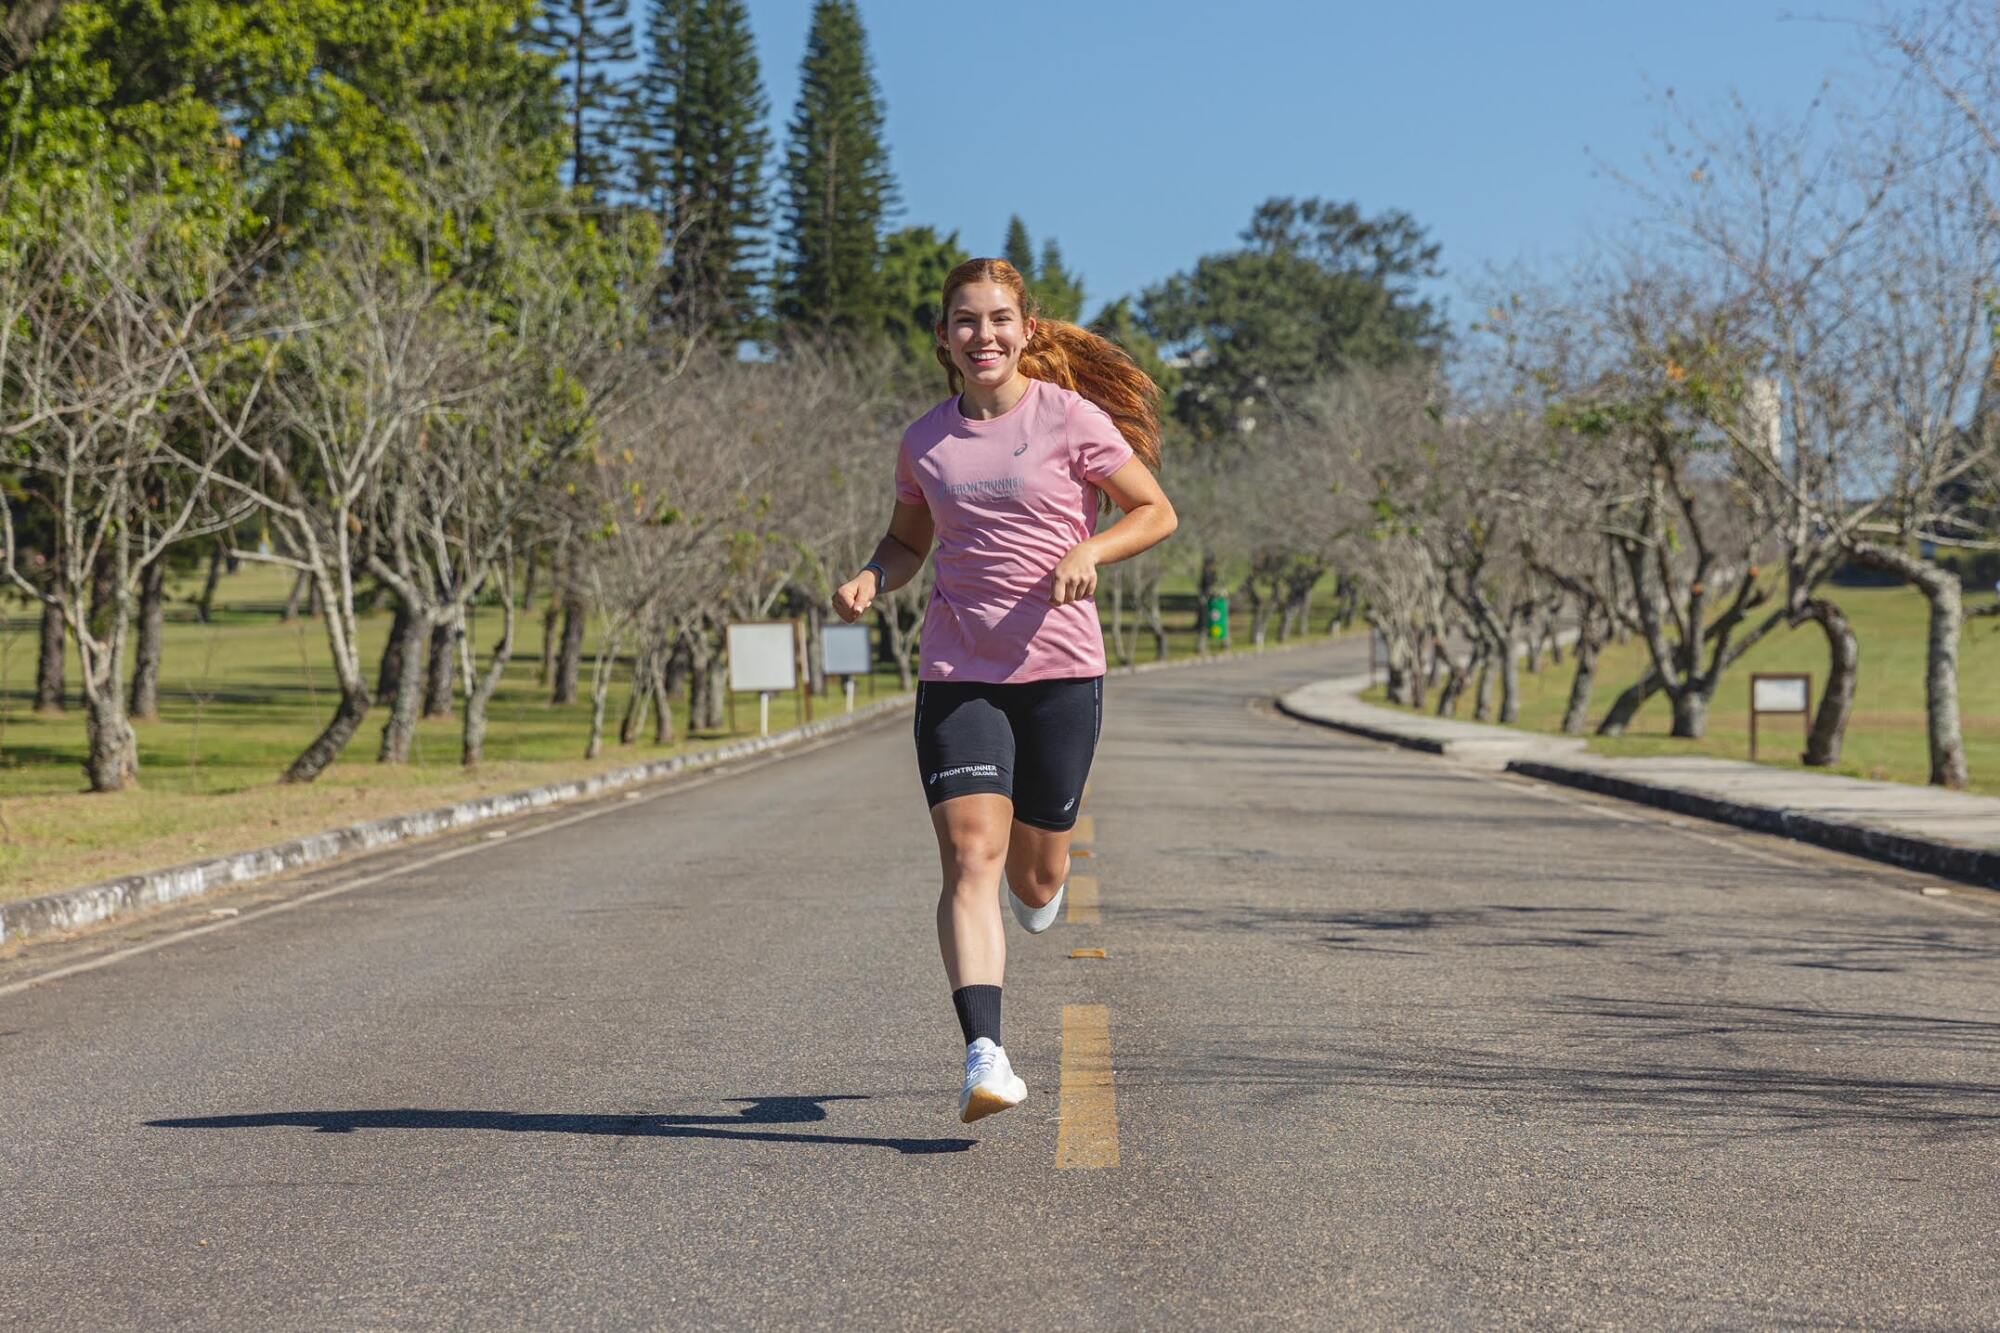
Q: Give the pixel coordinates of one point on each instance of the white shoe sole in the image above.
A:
(984, 1100)
(1035, 920)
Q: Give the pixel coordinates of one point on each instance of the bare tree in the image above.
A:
(109, 326)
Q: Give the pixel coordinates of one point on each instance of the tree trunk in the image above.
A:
(548, 666)
(205, 608)
(1156, 622)
(291, 608)
(570, 661)
(1630, 700)
(600, 692)
(528, 587)
(113, 762)
(815, 649)
(441, 672)
(701, 682)
(1260, 622)
(1577, 715)
(1628, 703)
(152, 624)
(897, 638)
(1211, 574)
(677, 666)
(1454, 687)
(718, 693)
(1690, 713)
(1482, 691)
(1940, 588)
(640, 701)
(1836, 701)
(1510, 684)
(402, 683)
(326, 747)
(663, 700)
(473, 749)
(389, 677)
(50, 690)
(1118, 618)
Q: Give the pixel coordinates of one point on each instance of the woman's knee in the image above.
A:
(974, 854)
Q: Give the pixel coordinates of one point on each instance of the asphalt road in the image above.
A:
(1391, 1044)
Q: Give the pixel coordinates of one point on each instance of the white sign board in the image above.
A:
(1779, 694)
(845, 650)
(761, 656)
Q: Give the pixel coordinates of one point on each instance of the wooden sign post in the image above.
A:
(1782, 694)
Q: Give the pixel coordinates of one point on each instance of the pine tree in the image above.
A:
(587, 38)
(698, 160)
(1058, 291)
(915, 263)
(838, 189)
(1019, 250)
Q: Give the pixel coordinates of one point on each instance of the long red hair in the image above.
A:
(1071, 356)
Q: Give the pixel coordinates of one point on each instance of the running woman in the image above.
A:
(1046, 422)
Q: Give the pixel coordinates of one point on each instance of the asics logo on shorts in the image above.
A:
(964, 770)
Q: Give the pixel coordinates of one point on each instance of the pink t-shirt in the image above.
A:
(1010, 498)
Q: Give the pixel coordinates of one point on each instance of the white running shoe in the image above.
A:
(990, 1082)
(1035, 920)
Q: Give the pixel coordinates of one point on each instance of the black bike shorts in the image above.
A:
(1031, 742)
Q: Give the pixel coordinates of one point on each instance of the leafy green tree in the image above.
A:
(1018, 249)
(915, 263)
(284, 111)
(590, 40)
(1058, 291)
(699, 158)
(1121, 324)
(838, 189)
(1316, 288)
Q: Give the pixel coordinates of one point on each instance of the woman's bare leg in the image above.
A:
(972, 850)
(1037, 863)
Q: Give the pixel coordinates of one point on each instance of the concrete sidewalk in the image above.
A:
(1926, 828)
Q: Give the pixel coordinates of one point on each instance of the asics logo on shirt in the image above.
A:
(1022, 450)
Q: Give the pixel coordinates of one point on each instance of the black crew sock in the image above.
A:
(978, 1012)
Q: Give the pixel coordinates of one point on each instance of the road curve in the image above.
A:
(1375, 1042)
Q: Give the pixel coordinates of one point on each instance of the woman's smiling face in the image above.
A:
(984, 334)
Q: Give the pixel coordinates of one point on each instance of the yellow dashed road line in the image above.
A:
(1088, 1134)
(1083, 900)
(1085, 831)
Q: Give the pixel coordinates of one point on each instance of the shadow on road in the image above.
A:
(756, 1111)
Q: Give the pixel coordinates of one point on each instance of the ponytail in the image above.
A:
(1074, 358)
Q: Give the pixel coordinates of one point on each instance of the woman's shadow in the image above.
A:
(757, 1111)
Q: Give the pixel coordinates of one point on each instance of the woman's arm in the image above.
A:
(900, 554)
(1148, 520)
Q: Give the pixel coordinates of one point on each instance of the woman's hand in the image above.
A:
(852, 599)
(1076, 577)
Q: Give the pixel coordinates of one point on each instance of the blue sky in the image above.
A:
(1141, 135)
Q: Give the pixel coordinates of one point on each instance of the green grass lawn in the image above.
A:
(1885, 734)
(240, 697)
